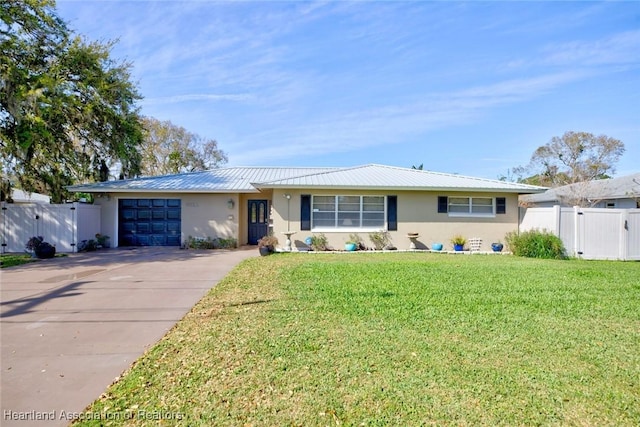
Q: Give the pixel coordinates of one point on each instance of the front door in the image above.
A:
(258, 220)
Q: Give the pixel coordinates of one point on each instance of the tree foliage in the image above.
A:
(67, 108)
(574, 157)
(171, 149)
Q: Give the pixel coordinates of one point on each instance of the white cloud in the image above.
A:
(618, 49)
(388, 125)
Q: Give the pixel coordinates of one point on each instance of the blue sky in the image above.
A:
(471, 88)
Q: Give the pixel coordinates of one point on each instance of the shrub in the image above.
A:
(87, 245)
(200, 243)
(319, 242)
(536, 244)
(102, 240)
(229, 243)
(380, 239)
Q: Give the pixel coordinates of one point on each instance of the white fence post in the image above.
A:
(3, 238)
(558, 220)
(576, 230)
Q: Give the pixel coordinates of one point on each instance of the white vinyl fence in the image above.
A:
(590, 233)
(61, 225)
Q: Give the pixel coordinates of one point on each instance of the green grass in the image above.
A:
(13, 259)
(10, 260)
(397, 339)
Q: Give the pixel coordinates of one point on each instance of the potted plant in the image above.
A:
(458, 242)
(103, 240)
(353, 244)
(497, 247)
(267, 245)
(40, 248)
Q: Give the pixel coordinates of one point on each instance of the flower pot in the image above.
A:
(350, 247)
(265, 250)
(497, 247)
(45, 251)
(436, 247)
(458, 248)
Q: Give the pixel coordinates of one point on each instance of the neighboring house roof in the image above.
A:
(604, 189)
(250, 179)
(20, 196)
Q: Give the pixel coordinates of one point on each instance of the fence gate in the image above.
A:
(61, 225)
(632, 227)
(600, 234)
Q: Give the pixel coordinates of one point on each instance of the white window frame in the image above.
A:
(470, 212)
(343, 229)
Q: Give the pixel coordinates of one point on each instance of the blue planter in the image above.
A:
(497, 247)
(436, 247)
(350, 247)
(458, 248)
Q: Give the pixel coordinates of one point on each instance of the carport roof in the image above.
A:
(252, 179)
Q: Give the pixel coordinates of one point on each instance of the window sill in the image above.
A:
(470, 215)
(347, 229)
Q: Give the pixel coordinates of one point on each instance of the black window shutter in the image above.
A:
(443, 204)
(392, 213)
(501, 205)
(305, 212)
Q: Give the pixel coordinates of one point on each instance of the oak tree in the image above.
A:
(573, 157)
(67, 108)
(170, 149)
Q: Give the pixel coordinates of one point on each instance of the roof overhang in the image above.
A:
(142, 190)
(398, 188)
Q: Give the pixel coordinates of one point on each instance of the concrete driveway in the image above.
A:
(70, 326)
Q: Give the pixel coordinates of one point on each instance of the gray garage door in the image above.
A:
(149, 222)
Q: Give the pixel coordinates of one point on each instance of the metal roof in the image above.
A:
(389, 177)
(222, 180)
(602, 189)
(251, 179)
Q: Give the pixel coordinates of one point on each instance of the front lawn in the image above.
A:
(396, 339)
